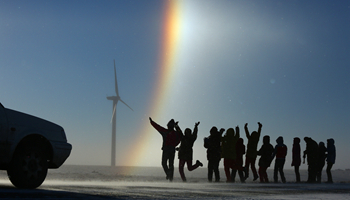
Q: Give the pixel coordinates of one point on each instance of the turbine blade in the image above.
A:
(126, 104)
(116, 83)
(114, 108)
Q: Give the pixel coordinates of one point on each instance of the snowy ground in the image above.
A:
(77, 182)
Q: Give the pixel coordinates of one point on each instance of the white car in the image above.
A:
(29, 146)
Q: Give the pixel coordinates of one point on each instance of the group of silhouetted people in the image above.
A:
(316, 155)
(230, 146)
(172, 136)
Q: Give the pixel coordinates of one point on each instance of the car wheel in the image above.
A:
(28, 168)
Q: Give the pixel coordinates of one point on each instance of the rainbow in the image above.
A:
(171, 30)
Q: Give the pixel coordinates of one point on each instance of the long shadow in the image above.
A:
(10, 192)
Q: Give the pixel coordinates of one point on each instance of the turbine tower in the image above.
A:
(115, 100)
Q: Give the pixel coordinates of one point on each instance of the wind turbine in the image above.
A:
(115, 100)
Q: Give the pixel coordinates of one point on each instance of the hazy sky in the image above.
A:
(283, 63)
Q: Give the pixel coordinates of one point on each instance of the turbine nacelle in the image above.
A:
(113, 98)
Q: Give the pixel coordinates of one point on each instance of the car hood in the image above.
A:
(16, 118)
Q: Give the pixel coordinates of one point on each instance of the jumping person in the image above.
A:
(251, 154)
(171, 138)
(186, 152)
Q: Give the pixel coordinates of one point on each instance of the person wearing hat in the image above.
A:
(171, 138)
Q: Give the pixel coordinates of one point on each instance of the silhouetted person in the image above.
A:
(320, 161)
(228, 144)
(186, 151)
(213, 146)
(331, 153)
(280, 153)
(171, 138)
(311, 152)
(265, 153)
(252, 146)
(296, 158)
(240, 151)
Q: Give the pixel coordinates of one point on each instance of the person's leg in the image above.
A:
(216, 170)
(313, 173)
(275, 171)
(233, 175)
(252, 163)
(297, 174)
(210, 170)
(171, 165)
(309, 173)
(241, 176)
(181, 169)
(329, 173)
(261, 174)
(165, 164)
(281, 171)
(320, 173)
(247, 163)
(227, 167)
(191, 167)
(264, 174)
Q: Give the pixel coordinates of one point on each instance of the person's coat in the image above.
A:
(171, 138)
(228, 143)
(296, 152)
(266, 152)
(253, 140)
(240, 151)
(187, 141)
(311, 151)
(331, 151)
(280, 149)
(321, 155)
(213, 144)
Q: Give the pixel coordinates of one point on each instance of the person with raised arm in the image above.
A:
(172, 136)
(251, 154)
(186, 151)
